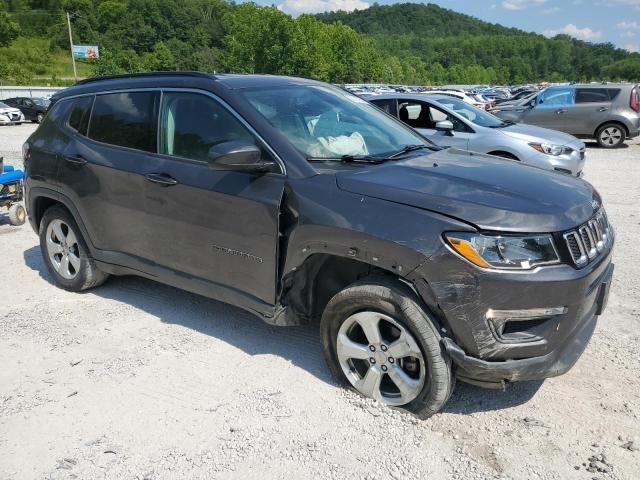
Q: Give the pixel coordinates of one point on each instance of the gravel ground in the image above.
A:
(139, 380)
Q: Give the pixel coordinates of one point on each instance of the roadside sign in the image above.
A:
(85, 52)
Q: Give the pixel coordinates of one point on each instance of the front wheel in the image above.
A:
(378, 341)
(610, 135)
(65, 252)
(39, 118)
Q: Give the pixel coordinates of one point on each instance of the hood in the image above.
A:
(9, 110)
(531, 133)
(486, 191)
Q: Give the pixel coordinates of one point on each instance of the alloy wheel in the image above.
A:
(63, 249)
(380, 358)
(611, 136)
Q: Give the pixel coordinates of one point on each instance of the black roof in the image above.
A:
(178, 79)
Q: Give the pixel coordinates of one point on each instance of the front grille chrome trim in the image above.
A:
(589, 240)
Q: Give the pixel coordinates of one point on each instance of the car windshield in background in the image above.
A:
(471, 113)
(327, 123)
(43, 102)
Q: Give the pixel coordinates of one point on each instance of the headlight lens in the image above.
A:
(551, 149)
(505, 252)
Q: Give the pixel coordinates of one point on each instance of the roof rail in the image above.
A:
(146, 74)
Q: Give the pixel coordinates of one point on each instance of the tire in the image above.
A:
(39, 118)
(611, 135)
(17, 214)
(430, 381)
(60, 237)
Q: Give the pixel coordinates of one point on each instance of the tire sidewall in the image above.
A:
(75, 284)
(400, 304)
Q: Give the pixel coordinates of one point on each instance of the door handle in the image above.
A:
(603, 109)
(561, 111)
(161, 179)
(75, 160)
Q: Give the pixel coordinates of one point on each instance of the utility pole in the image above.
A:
(73, 59)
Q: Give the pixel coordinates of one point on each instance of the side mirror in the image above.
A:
(237, 155)
(445, 126)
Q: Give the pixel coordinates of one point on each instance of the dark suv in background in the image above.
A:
(34, 109)
(298, 201)
(608, 113)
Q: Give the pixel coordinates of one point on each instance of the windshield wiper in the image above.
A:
(410, 148)
(349, 159)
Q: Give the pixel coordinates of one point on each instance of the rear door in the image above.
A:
(592, 108)
(217, 225)
(102, 168)
(551, 109)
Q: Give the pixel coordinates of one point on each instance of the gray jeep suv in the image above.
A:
(608, 113)
(297, 201)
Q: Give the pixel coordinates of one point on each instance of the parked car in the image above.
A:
(462, 96)
(450, 122)
(10, 115)
(298, 201)
(608, 113)
(32, 110)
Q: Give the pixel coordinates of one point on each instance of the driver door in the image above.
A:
(552, 109)
(216, 225)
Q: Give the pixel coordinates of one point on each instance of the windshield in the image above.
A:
(326, 123)
(471, 113)
(41, 101)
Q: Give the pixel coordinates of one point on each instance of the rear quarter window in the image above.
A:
(126, 120)
(80, 113)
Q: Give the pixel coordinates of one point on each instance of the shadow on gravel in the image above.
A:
(468, 399)
(596, 146)
(300, 345)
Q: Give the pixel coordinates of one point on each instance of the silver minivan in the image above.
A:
(608, 113)
(451, 122)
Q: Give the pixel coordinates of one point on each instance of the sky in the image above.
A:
(615, 21)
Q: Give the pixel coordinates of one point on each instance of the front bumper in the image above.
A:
(554, 363)
(462, 295)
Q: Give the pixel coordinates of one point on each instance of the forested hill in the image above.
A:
(459, 48)
(415, 18)
(407, 43)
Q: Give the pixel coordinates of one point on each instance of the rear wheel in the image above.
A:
(610, 135)
(17, 214)
(379, 342)
(65, 252)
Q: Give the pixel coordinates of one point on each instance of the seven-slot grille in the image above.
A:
(589, 240)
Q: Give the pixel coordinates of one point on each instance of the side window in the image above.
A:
(388, 105)
(592, 95)
(191, 123)
(556, 97)
(423, 115)
(126, 119)
(613, 93)
(80, 113)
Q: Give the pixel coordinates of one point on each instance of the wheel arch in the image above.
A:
(504, 153)
(41, 199)
(618, 122)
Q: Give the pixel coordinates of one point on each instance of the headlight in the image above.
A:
(505, 252)
(551, 149)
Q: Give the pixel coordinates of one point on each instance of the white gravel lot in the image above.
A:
(136, 380)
